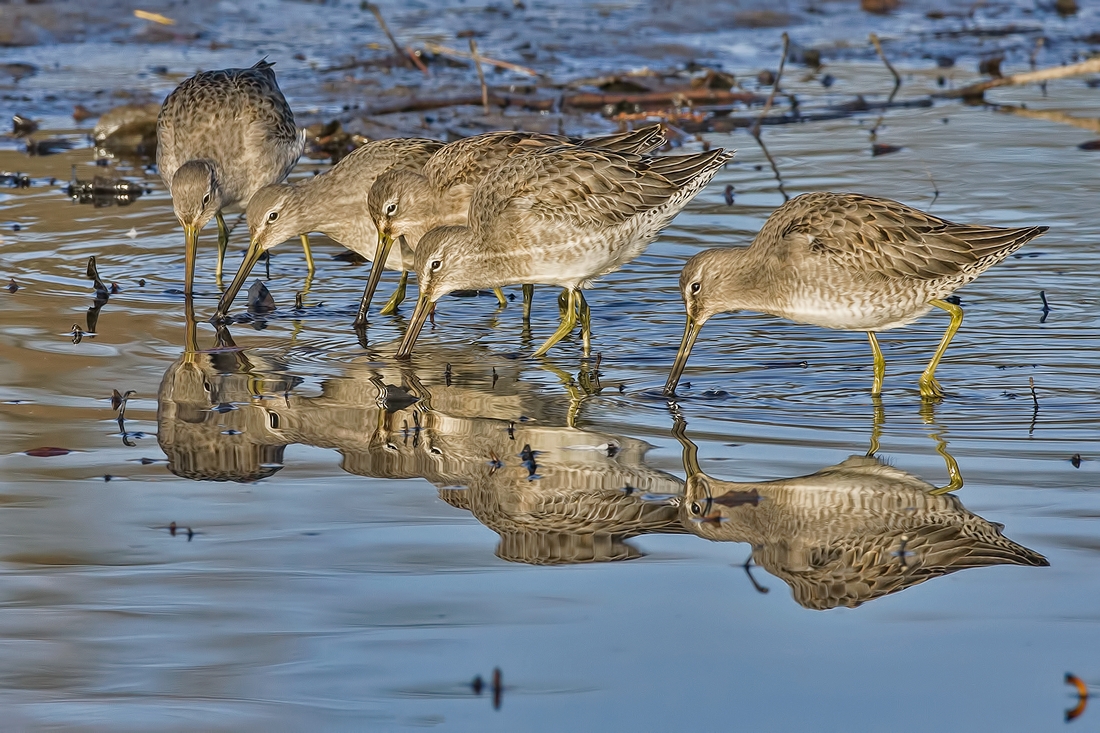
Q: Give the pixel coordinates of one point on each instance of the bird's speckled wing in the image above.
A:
(369, 161)
(466, 162)
(583, 187)
(884, 238)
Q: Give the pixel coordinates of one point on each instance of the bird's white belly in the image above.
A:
(856, 315)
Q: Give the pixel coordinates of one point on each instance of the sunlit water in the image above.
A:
(347, 562)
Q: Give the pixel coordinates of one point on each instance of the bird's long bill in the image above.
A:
(251, 257)
(381, 254)
(191, 246)
(691, 332)
(423, 308)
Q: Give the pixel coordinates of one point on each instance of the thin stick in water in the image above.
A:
(882, 55)
(480, 77)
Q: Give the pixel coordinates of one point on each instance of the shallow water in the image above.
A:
(264, 543)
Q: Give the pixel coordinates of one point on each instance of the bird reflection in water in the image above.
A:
(210, 424)
(848, 533)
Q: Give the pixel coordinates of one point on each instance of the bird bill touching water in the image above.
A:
(561, 216)
(334, 203)
(408, 203)
(846, 262)
(221, 136)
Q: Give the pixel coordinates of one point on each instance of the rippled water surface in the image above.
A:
(273, 539)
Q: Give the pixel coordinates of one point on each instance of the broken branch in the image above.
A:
(975, 91)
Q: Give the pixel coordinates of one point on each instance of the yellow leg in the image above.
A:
(880, 364)
(223, 242)
(568, 321)
(563, 303)
(929, 387)
(501, 300)
(528, 298)
(307, 251)
(876, 426)
(584, 314)
(397, 297)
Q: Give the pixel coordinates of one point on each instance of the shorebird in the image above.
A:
(334, 203)
(560, 216)
(848, 262)
(848, 533)
(407, 203)
(221, 136)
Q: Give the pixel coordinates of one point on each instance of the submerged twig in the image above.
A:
(882, 55)
(767, 107)
(480, 77)
(402, 53)
(975, 91)
(454, 52)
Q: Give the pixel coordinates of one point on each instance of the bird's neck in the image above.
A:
(745, 277)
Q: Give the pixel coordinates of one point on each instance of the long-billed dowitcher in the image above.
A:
(847, 262)
(560, 216)
(221, 136)
(407, 203)
(334, 203)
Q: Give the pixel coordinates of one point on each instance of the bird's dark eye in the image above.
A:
(273, 216)
(391, 209)
(696, 508)
(206, 199)
(436, 264)
(695, 287)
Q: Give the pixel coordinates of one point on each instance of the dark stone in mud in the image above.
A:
(259, 298)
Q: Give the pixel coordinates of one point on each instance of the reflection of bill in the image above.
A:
(848, 533)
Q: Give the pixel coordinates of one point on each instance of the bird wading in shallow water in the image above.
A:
(334, 202)
(561, 216)
(847, 262)
(408, 203)
(222, 136)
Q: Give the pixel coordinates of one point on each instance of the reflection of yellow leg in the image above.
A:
(398, 295)
(501, 300)
(528, 298)
(876, 426)
(585, 316)
(307, 251)
(568, 322)
(880, 364)
(953, 473)
(223, 242)
(929, 387)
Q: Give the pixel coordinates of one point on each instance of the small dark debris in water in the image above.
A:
(685, 385)
(149, 461)
(765, 78)
(47, 452)
(16, 228)
(1026, 255)
(115, 289)
(991, 66)
(107, 477)
(15, 180)
(828, 80)
(945, 62)
(259, 298)
(1046, 306)
(1075, 460)
(1009, 395)
(498, 688)
(758, 167)
(298, 304)
(48, 146)
(878, 149)
(477, 685)
(1090, 145)
(1094, 82)
(495, 377)
(21, 126)
(511, 431)
(78, 334)
(1065, 7)
(511, 296)
(141, 283)
(232, 432)
(716, 393)
(527, 456)
(173, 528)
(786, 364)
(18, 70)
(954, 300)
(629, 490)
(738, 498)
(352, 258)
(729, 194)
(12, 285)
(447, 374)
(104, 191)
(878, 7)
(393, 399)
(941, 81)
(612, 450)
(622, 388)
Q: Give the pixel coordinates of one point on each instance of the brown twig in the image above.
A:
(454, 52)
(775, 87)
(975, 91)
(882, 55)
(401, 53)
(1092, 124)
(480, 77)
(680, 97)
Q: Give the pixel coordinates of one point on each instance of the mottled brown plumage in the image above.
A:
(848, 262)
(561, 216)
(221, 136)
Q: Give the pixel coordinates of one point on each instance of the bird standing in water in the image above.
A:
(222, 136)
(847, 262)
